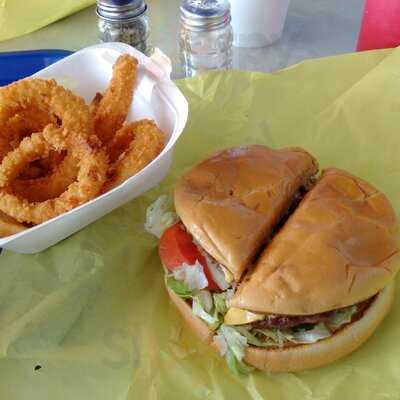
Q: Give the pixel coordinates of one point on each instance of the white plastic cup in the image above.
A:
(257, 23)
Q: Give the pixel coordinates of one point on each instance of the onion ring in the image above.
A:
(32, 171)
(112, 108)
(48, 187)
(9, 226)
(91, 176)
(41, 168)
(70, 110)
(94, 105)
(69, 115)
(134, 146)
(22, 124)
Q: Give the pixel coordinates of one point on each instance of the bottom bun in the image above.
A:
(305, 356)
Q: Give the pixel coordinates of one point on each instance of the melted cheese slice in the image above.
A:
(237, 316)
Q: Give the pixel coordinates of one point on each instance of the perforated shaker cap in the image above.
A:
(120, 9)
(205, 14)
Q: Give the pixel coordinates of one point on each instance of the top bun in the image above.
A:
(231, 202)
(338, 248)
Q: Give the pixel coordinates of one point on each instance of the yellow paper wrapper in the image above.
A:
(18, 17)
(90, 318)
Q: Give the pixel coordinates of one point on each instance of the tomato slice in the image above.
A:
(176, 247)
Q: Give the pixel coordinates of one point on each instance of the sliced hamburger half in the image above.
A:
(231, 202)
(326, 279)
(225, 210)
(337, 249)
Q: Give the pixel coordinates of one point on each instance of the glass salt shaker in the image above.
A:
(124, 21)
(205, 36)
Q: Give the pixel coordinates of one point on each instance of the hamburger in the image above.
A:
(274, 268)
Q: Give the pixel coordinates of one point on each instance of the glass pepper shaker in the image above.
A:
(124, 21)
(205, 36)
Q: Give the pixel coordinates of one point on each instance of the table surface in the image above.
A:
(314, 28)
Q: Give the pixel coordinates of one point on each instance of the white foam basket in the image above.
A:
(89, 71)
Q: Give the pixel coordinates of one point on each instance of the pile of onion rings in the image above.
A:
(57, 152)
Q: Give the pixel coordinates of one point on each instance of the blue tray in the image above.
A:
(19, 64)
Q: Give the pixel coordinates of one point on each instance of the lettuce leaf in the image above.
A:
(237, 343)
(341, 317)
(236, 366)
(220, 302)
(212, 320)
(264, 337)
(210, 308)
(178, 287)
(220, 341)
(319, 332)
(272, 339)
(216, 272)
(206, 300)
(192, 275)
(160, 216)
(303, 327)
(232, 346)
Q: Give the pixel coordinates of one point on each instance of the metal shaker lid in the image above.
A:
(205, 14)
(120, 9)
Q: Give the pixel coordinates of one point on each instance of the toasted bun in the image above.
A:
(337, 249)
(231, 202)
(305, 356)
